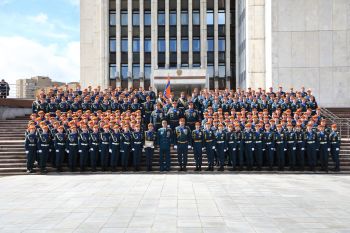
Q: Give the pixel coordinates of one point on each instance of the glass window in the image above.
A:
(112, 45)
(124, 18)
(173, 45)
(136, 45)
(210, 71)
(124, 71)
(184, 45)
(222, 71)
(210, 45)
(221, 18)
(222, 45)
(147, 71)
(210, 18)
(196, 65)
(147, 19)
(112, 18)
(135, 71)
(196, 18)
(136, 19)
(196, 45)
(112, 71)
(184, 18)
(124, 45)
(173, 18)
(148, 45)
(161, 45)
(161, 18)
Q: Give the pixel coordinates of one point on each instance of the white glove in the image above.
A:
(175, 147)
(80, 151)
(213, 148)
(189, 147)
(133, 149)
(294, 148)
(337, 149)
(27, 152)
(234, 149)
(152, 147)
(50, 150)
(40, 151)
(263, 149)
(329, 149)
(110, 150)
(143, 150)
(253, 149)
(91, 149)
(67, 151)
(99, 150)
(302, 148)
(225, 150)
(57, 151)
(203, 149)
(285, 149)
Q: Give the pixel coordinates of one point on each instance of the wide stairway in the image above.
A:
(13, 159)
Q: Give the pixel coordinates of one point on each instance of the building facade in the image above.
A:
(218, 44)
(27, 88)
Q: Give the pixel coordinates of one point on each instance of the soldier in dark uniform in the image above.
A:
(75, 106)
(135, 106)
(114, 147)
(209, 143)
(220, 140)
(84, 147)
(125, 146)
(291, 146)
(173, 116)
(94, 146)
(232, 146)
(191, 115)
(60, 146)
(182, 143)
(324, 147)
(164, 141)
(104, 147)
(240, 145)
(157, 117)
(259, 146)
(300, 146)
(44, 141)
(150, 141)
(311, 138)
(269, 146)
(197, 143)
(105, 105)
(125, 106)
(72, 147)
(52, 106)
(63, 106)
(31, 148)
(248, 137)
(147, 110)
(280, 140)
(334, 139)
(137, 139)
(95, 106)
(182, 102)
(86, 104)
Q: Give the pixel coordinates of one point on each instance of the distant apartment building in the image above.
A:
(26, 88)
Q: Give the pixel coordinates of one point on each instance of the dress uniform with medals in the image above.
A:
(291, 146)
(150, 141)
(192, 116)
(248, 137)
(232, 146)
(220, 140)
(60, 147)
(280, 140)
(157, 117)
(324, 148)
(164, 140)
(259, 146)
(182, 143)
(209, 144)
(125, 146)
(311, 138)
(173, 115)
(269, 146)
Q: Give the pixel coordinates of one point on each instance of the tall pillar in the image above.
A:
(118, 44)
(130, 44)
(190, 34)
(167, 36)
(104, 61)
(228, 42)
(154, 38)
(203, 37)
(142, 46)
(216, 45)
(178, 22)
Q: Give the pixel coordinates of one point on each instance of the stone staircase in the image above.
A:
(13, 159)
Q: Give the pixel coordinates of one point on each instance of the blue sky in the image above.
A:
(39, 37)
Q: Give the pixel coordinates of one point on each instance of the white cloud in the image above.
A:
(24, 58)
(40, 18)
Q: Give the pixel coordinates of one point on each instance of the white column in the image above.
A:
(118, 43)
(178, 22)
(167, 36)
(190, 34)
(203, 37)
(154, 38)
(129, 44)
(216, 44)
(104, 62)
(228, 42)
(268, 45)
(142, 46)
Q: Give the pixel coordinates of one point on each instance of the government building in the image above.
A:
(218, 44)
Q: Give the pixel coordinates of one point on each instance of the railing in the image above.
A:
(343, 124)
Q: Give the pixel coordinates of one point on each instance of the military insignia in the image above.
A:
(168, 134)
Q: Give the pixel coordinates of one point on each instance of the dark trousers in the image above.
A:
(197, 150)
(280, 155)
(300, 154)
(43, 157)
(137, 155)
(291, 154)
(240, 148)
(335, 155)
(30, 158)
(84, 154)
(182, 151)
(311, 154)
(125, 152)
(149, 157)
(232, 151)
(59, 157)
(210, 154)
(72, 157)
(104, 156)
(270, 150)
(93, 157)
(258, 154)
(249, 154)
(220, 147)
(324, 156)
(115, 156)
(164, 158)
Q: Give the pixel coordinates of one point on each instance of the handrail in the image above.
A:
(342, 123)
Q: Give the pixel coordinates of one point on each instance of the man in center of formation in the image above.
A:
(182, 143)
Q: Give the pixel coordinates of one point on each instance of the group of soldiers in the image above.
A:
(232, 129)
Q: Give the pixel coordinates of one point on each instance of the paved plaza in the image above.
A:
(175, 203)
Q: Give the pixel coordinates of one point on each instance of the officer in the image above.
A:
(135, 106)
(182, 102)
(280, 139)
(232, 146)
(84, 147)
(269, 146)
(147, 109)
(311, 138)
(137, 139)
(150, 141)
(300, 146)
(104, 147)
(125, 146)
(291, 146)
(114, 147)
(164, 140)
(239, 135)
(157, 117)
(52, 106)
(63, 106)
(72, 147)
(191, 115)
(209, 144)
(60, 146)
(44, 141)
(248, 137)
(86, 104)
(182, 143)
(197, 143)
(334, 139)
(220, 139)
(31, 148)
(324, 147)
(259, 146)
(94, 146)
(173, 116)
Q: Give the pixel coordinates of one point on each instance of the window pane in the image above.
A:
(124, 18)
(184, 18)
(148, 45)
(222, 71)
(136, 19)
(173, 45)
(112, 71)
(147, 71)
(136, 71)
(210, 18)
(210, 45)
(221, 45)
(112, 18)
(196, 18)
(136, 45)
(196, 45)
(221, 18)
(161, 18)
(124, 71)
(172, 18)
(210, 71)
(112, 45)
(147, 18)
(124, 45)
(184, 45)
(161, 45)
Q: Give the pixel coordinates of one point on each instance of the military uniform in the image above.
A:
(232, 148)
(259, 148)
(182, 142)
(291, 148)
(280, 139)
(164, 140)
(147, 111)
(84, 147)
(72, 150)
(197, 143)
(125, 148)
(311, 138)
(60, 146)
(173, 116)
(156, 118)
(150, 141)
(94, 149)
(324, 147)
(300, 149)
(192, 116)
(269, 148)
(137, 138)
(220, 139)
(209, 143)
(248, 137)
(44, 141)
(104, 148)
(114, 148)
(334, 139)
(31, 150)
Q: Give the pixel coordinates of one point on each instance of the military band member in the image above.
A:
(291, 146)
(94, 147)
(60, 147)
(311, 138)
(220, 140)
(191, 115)
(125, 146)
(44, 141)
(269, 146)
(259, 146)
(209, 143)
(72, 147)
(104, 147)
(150, 141)
(84, 147)
(280, 139)
(31, 148)
(182, 143)
(197, 143)
(164, 141)
(114, 147)
(248, 138)
(334, 139)
(137, 139)
(324, 147)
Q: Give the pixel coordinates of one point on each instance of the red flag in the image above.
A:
(167, 90)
